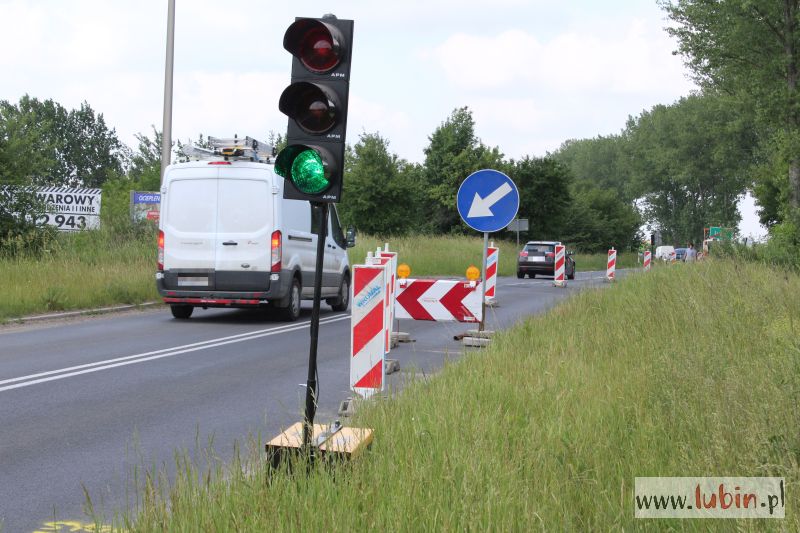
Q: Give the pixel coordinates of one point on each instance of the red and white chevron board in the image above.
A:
(386, 263)
(492, 258)
(367, 336)
(438, 300)
(558, 279)
(612, 264)
(647, 259)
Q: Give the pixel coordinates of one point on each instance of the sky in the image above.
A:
(534, 73)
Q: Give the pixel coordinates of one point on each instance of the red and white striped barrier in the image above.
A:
(392, 283)
(439, 300)
(367, 332)
(558, 278)
(646, 260)
(385, 263)
(612, 265)
(492, 259)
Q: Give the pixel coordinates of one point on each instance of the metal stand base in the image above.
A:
(401, 336)
(476, 342)
(475, 338)
(390, 366)
(332, 442)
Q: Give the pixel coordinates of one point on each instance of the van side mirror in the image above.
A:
(350, 239)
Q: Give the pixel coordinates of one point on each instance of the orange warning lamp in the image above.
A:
(403, 271)
(473, 273)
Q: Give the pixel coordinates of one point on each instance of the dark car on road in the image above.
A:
(538, 257)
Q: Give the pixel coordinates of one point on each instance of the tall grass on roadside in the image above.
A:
(452, 255)
(82, 270)
(116, 264)
(685, 371)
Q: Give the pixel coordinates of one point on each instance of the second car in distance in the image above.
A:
(538, 257)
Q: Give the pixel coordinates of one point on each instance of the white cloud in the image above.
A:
(226, 103)
(534, 72)
(23, 30)
(635, 58)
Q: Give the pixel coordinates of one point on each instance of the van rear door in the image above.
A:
(245, 215)
(190, 221)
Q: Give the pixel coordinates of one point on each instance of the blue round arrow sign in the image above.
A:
(487, 200)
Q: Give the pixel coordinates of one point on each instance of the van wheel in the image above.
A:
(291, 312)
(181, 311)
(341, 302)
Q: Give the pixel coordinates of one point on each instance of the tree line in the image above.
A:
(676, 167)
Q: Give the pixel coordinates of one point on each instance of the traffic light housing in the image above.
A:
(316, 103)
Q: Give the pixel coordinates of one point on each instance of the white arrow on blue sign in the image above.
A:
(487, 200)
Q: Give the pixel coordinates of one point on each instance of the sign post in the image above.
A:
(518, 224)
(487, 201)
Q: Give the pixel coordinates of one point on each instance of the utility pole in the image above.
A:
(166, 130)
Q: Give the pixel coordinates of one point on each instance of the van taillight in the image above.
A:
(219, 163)
(276, 251)
(160, 250)
(523, 253)
(551, 255)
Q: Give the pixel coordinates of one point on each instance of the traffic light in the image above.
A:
(316, 103)
(652, 239)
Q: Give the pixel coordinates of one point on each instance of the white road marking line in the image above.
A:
(157, 354)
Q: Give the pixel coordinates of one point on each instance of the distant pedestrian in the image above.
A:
(691, 254)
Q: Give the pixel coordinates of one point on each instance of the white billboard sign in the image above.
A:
(70, 209)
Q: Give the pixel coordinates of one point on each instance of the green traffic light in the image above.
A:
(308, 173)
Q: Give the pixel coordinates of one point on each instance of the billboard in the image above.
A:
(145, 205)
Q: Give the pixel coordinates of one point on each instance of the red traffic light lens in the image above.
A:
(315, 44)
(311, 106)
(317, 50)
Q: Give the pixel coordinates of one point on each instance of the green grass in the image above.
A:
(100, 268)
(452, 255)
(685, 371)
(81, 271)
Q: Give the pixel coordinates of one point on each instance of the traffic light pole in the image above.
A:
(311, 383)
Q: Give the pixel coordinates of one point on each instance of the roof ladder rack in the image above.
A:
(234, 148)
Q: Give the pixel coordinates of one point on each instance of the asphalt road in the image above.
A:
(88, 402)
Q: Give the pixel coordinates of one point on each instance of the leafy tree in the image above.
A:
(144, 174)
(453, 154)
(377, 199)
(277, 140)
(750, 49)
(28, 140)
(691, 161)
(602, 162)
(91, 152)
(43, 143)
(544, 196)
(19, 210)
(599, 218)
(145, 164)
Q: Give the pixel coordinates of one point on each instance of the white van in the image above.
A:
(665, 253)
(228, 238)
